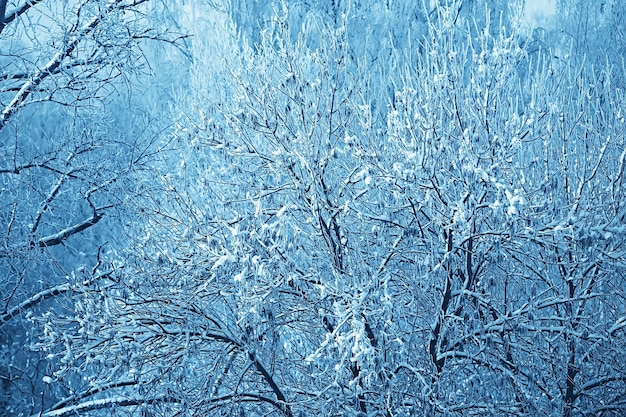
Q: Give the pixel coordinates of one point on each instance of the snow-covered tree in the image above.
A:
(595, 30)
(430, 224)
(71, 133)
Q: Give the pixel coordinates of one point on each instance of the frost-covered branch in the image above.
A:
(5, 19)
(55, 63)
(34, 300)
(104, 403)
(42, 296)
(62, 235)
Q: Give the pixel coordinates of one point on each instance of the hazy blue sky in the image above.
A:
(537, 11)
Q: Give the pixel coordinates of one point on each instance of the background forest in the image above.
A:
(312, 208)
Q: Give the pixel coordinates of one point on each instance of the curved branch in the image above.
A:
(34, 300)
(3, 9)
(80, 409)
(42, 296)
(81, 396)
(281, 401)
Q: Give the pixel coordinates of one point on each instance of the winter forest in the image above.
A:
(312, 208)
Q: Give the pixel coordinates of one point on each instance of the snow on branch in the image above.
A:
(33, 300)
(62, 235)
(92, 405)
(619, 324)
(5, 20)
(41, 296)
(79, 409)
(54, 64)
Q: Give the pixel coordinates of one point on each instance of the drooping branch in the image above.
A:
(104, 403)
(33, 300)
(281, 401)
(90, 392)
(42, 296)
